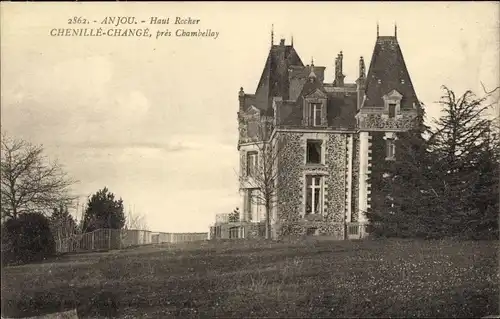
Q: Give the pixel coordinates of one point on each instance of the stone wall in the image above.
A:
(378, 165)
(290, 220)
(289, 190)
(377, 121)
(355, 179)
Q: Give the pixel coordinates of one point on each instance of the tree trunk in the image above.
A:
(268, 221)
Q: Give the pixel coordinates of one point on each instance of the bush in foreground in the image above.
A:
(27, 238)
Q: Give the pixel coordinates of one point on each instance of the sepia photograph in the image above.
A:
(250, 159)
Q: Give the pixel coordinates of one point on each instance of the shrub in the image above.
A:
(27, 238)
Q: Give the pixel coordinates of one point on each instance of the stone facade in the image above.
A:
(355, 177)
(349, 125)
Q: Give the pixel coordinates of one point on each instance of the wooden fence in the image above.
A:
(107, 239)
(100, 239)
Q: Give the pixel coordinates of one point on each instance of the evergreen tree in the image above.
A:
(483, 201)
(234, 216)
(103, 211)
(464, 167)
(406, 195)
(445, 185)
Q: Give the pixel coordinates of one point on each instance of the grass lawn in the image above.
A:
(386, 278)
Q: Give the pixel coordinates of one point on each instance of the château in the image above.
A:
(326, 139)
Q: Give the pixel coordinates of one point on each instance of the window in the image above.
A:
(313, 195)
(315, 114)
(251, 163)
(311, 231)
(392, 110)
(391, 149)
(313, 152)
(252, 204)
(234, 232)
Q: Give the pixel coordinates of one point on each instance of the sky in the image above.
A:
(155, 121)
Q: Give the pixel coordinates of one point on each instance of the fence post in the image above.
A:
(109, 239)
(92, 247)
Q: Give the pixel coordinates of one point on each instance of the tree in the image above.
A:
(445, 184)
(103, 211)
(62, 223)
(234, 216)
(27, 238)
(463, 144)
(29, 181)
(262, 172)
(135, 221)
(405, 196)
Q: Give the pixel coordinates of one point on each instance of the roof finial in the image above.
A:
(312, 61)
(377, 29)
(395, 30)
(272, 34)
(292, 40)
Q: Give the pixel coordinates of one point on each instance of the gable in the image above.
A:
(393, 95)
(253, 110)
(317, 94)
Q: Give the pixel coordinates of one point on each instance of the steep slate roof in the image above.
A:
(312, 84)
(341, 105)
(341, 110)
(274, 79)
(388, 66)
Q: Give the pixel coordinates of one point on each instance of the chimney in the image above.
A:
(362, 74)
(339, 76)
(360, 88)
(341, 56)
(241, 97)
(282, 42)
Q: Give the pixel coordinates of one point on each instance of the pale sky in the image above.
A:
(155, 121)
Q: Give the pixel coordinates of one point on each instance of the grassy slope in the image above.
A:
(259, 279)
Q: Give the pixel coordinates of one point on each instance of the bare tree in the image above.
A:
(135, 221)
(63, 225)
(29, 181)
(262, 172)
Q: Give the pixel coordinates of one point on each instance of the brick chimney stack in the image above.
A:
(362, 74)
(339, 76)
(360, 87)
(241, 97)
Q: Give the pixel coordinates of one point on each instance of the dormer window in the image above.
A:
(314, 109)
(315, 115)
(392, 104)
(402, 81)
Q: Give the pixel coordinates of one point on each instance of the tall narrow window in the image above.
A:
(313, 152)
(313, 194)
(234, 232)
(315, 114)
(251, 163)
(391, 149)
(252, 207)
(392, 110)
